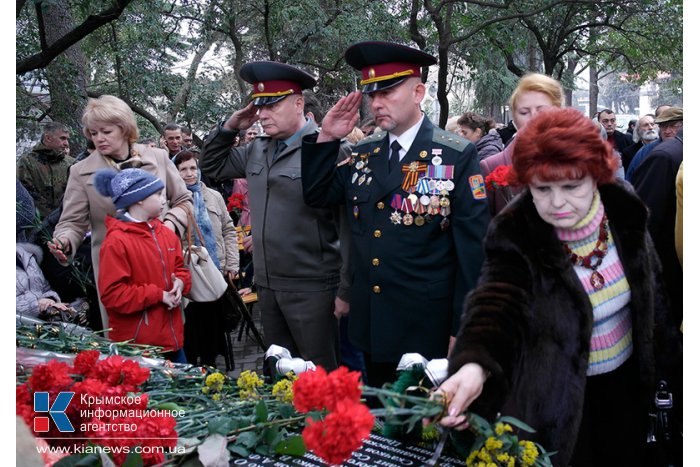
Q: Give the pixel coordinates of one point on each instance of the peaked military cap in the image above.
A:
(384, 64)
(273, 81)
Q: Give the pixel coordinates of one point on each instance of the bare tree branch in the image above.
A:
(91, 23)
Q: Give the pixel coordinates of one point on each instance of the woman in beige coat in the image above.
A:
(110, 124)
(204, 321)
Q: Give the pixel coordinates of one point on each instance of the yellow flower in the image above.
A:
(216, 397)
(282, 390)
(528, 453)
(430, 434)
(205, 390)
(484, 455)
(493, 444)
(471, 458)
(215, 381)
(249, 380)
(503, 428)
(248, 394)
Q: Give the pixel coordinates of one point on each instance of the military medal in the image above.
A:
(376, 150)
(437, 160)
(354, 177)
(422, 186)
(444, 224)
(434, 205)
(406, 207)
(412, 171)
(369, 180)
(420, 210)
(396, 202)
(362, 179)
(425, 200)
(423, 154)
(359, 165)
(449, 185)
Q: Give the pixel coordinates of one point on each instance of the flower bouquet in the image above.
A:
(499, 181)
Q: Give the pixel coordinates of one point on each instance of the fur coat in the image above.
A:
(529, 320)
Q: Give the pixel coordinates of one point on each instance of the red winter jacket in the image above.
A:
(136, 265)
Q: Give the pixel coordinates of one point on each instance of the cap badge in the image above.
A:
(371, 73)
(261, 87)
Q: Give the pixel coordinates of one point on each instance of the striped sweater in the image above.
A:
(611, 339)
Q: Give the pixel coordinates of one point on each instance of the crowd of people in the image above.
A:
(560, 303)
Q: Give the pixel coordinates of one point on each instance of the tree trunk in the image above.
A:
(66, 74)
(593, 89)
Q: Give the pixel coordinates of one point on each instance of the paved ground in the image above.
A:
(247, 354)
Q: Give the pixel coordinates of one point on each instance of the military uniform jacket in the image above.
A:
(296, 248)
(44, 173)
(409, 281)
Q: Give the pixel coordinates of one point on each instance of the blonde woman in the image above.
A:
(110, 124)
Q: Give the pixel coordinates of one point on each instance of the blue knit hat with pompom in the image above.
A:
(126, 187)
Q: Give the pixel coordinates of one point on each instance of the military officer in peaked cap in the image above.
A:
(416, 202)
(296, 248)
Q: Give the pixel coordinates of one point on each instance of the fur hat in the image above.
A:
(126, 187)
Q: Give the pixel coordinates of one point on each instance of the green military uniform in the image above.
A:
(416, 236)
(416, 202)
(44, 173)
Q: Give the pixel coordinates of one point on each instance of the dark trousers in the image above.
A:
(303, 323)
(204, 332)
(613, 427)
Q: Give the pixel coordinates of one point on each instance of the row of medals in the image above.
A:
(425, 207)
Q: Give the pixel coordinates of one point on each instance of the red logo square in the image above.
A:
(41, 424)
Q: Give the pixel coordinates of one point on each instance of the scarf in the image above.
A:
(201, 216)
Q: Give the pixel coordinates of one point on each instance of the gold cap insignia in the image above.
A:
(371, 73)
(261, 87)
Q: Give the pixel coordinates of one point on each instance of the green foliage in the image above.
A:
(145, 55)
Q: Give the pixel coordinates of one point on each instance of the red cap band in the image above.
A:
(275, 88)
(384, 71)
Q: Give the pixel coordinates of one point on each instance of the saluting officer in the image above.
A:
(296, 248)
(416, 202)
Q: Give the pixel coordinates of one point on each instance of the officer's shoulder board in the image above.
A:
(450, 140)
(373, 138)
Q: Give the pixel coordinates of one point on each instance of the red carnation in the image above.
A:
(500, 177)
(85, 361)
(235, 202)
(116, 370)
(310, 390)
(342, 384)
(341, 433)
(53, 377)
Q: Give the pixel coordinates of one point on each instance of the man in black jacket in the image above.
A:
(616, 139)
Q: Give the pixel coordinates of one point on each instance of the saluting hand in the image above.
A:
(341, 119)
(242, 119)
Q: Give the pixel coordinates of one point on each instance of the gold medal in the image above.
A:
(423, 154)
(444, 202)
(419, 220)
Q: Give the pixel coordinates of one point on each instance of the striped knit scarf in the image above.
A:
(611, 338)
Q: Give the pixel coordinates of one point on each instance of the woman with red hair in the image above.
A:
(564, 327)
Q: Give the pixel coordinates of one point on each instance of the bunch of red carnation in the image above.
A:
(347, 422)
(500, 177)
(235, 202)
(114, 383)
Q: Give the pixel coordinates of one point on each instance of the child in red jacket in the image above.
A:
(142, 274)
